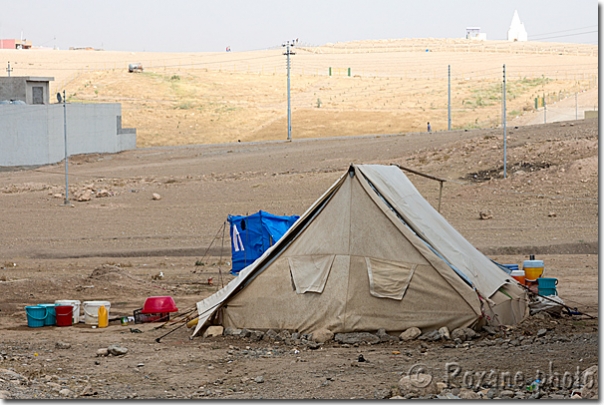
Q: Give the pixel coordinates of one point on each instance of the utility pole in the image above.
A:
(504, 129)
(576, 107)
(544, 110)
(289, 52)
(65, 138)
(9, 69)
(449, 99)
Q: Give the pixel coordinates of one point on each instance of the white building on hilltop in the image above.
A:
(516, 32)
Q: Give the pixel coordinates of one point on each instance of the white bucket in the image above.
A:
(91, 311)
(76, 308)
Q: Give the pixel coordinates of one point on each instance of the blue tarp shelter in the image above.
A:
(252, 235)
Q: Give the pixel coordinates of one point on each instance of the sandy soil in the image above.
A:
(109, 248)
(394, 87)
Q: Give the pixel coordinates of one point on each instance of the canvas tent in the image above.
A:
(370, 253)
(252, 235)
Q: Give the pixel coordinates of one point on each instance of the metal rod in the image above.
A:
(505, 163)
(66, 156)
(418, 173)
(440, 195)
(449, 98)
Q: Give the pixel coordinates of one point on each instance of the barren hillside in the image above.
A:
(375, 87)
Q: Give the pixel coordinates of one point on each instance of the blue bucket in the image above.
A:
(36, 315)
(51, 318)
(547, 286)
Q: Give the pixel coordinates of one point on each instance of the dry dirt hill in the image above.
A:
(375, 87)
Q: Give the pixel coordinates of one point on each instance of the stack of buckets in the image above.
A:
(67, 313)
(60, 314)
(530, 275)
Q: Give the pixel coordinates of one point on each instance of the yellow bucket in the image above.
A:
(533, 269)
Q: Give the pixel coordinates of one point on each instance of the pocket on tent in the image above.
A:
(389, 279)
(310, 273)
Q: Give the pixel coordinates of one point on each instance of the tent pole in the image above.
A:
(440, 195)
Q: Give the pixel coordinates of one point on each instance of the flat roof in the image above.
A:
(31, 78)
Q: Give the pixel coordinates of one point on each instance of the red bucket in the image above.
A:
(64, 315)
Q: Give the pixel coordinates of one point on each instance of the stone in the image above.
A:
(444, 333)
(259, 379)
(62, 345)
(589, 379)
(418, 385)
(66, 392)
(285, 335)
(232, 332)
(441, 386)
(506, 394)
(410, 334)
(465, 393)
(245, 333)
(256, 335)
(117, 350)
(156, 196)
(270, 335)
(489, 329)
(102, 193)
(102, 352)
(383, 393)
(470, 333)
(322, 335)
(214, 330)
(85, 195)
(356, 337)
(295, 335)
(430, 336)
(5, 395)
(556, 396)
(87, 391)
(459, 333)
(384, 336)
(541, 332)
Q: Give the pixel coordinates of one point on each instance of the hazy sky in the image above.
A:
(244, 25)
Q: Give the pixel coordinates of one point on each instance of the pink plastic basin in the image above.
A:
(163, 303)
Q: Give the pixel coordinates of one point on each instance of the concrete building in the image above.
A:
(15, 44)
(517, 32)
(33, 134)
(30, 90)
(475, 34)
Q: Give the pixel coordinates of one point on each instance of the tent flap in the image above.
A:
(310, 272)
(388, 279)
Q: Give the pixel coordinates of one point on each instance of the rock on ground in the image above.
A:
(410, 334)
(418, 384)
(214, 330)
(589, 379)
(322, 335)
(356, 337)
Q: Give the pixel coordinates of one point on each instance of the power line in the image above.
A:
(557, 32)
(569, 35)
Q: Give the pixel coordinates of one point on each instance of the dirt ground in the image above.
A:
(108, 248)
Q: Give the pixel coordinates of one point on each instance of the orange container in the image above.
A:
(519, 276)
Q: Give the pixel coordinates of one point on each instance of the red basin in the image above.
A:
(163, 303)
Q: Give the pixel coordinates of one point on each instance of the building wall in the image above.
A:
(21, 88)
(13, 89)
(34, 134)
(8, 44)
